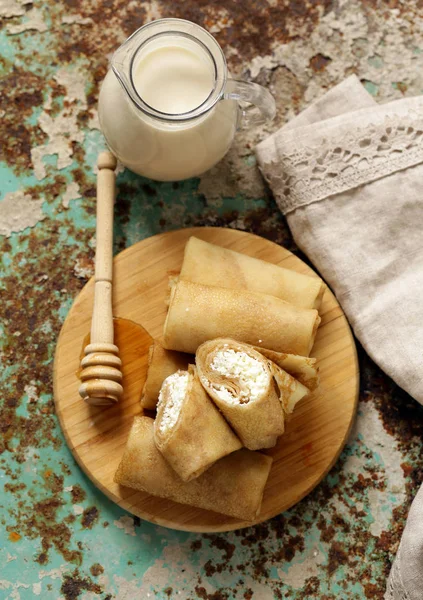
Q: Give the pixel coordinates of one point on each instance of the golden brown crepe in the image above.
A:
(161, 364)
(209, 264)
(291, 391)
(303, 368)
(240, 381)
(198, 313)
(189, 430)
(233, 486)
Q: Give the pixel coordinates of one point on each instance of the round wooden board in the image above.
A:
(315, 434)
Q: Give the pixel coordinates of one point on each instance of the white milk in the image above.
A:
(174, 78)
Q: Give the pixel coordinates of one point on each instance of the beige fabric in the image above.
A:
(348, 174)
(406, 578)
(356, 210)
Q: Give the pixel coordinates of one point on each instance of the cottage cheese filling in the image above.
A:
(175, 386)
(241, 367)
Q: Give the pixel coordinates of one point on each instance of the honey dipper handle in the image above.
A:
(102, 320)
(105, 201)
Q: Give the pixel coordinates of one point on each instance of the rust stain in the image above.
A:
(78, 494)
(74, 585)
(14, 536)
(26, 322)
(14, 488)
(337, 557)
(20, 93)
(222, 544)
(42, 521)
(96, 569)
(89, 517)
(319, 62)
(401, 86)
(204, 595)
(250, 28)
(196, 545)
(254, 28)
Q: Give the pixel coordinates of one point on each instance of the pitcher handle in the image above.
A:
(254, 94)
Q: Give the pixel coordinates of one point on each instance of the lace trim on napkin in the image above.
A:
(341, 160)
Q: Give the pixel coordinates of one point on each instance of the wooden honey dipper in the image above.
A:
(101, 374)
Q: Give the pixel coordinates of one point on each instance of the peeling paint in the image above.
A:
(127, 524)
(74, 81)
(71, 193)
(31, 392)
(383, 501)
(307, 566)
(76, 20)
(61, 131)
(52, 573)
(83, 268)
(10, 557)
(19, 211)
(13, 8)
(128, 589)
(33, 21)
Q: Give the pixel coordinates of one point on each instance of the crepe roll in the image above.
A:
(161, 364)
(303, 368)
(240, 381)
(291, 391)
(209, 264)
(233, 486)
(189, 430)
(198, 313)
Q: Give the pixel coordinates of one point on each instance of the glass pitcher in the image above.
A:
(180, 131)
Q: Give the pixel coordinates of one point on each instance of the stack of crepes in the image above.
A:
(251, 326)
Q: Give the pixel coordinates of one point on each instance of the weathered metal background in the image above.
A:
(59, 536)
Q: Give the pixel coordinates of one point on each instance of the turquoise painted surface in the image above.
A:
(59, 536)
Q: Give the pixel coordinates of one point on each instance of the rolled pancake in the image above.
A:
(209, 264)
(241, 383)
(189, 430)
(303, 368)
(198, 313)
(291, 391)
(233, 486)
(161, 364)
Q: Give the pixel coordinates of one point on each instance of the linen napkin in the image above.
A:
(348, 175)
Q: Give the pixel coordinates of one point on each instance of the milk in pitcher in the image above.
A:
(165, 107)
